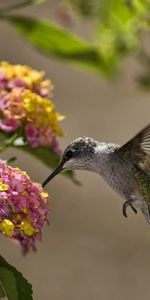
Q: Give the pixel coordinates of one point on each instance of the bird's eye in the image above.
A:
(69, 154)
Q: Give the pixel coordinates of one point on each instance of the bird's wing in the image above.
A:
(137, 149)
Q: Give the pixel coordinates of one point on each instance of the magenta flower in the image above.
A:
(23, 207)
(32, 135)
(9, 125)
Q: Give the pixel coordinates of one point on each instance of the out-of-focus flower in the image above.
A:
(24, 106)
(32, 135)
(23, 207)
(9, 125)
(12, 76)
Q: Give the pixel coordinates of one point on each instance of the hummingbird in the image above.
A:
(125, 168)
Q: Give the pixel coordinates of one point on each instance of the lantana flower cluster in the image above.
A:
(26, 108)
(23, 207)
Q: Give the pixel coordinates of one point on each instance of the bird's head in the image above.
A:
(78, 155)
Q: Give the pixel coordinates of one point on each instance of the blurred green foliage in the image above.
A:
(87, 8)
(119, 29)
(54, 40)
(118, 26)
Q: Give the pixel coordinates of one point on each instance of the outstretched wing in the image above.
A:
(137, 149)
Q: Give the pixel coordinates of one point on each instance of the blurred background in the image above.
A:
(89, 251)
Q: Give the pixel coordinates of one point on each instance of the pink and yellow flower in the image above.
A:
(19, 76)
(23, 207)
(24, 104)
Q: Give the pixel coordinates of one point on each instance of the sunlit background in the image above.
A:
(89, 251)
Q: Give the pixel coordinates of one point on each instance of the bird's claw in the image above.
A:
(124, 208)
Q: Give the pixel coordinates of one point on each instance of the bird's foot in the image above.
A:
(125, 205)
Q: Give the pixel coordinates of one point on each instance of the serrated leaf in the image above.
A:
(14, 285)
(56, 41)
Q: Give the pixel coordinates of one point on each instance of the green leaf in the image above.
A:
(8, 284)
(11, 160)
(54, 40)
(2, 294)
(13, 284)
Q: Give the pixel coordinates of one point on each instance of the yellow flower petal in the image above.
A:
(3, 187)
(41, 111)
(7, 227)
(60, 117)
(44, 194)
(27, 228)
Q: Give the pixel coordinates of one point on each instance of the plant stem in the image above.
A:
(8, 142)
(16, 6)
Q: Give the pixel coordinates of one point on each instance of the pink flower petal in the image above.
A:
(9, 125)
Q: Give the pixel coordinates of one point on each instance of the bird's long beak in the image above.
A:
(58, 169)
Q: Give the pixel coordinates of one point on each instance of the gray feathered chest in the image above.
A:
(115, 170)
